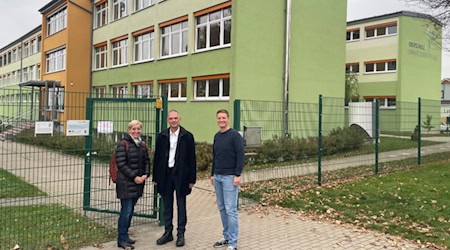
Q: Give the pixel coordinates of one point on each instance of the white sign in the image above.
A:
(105, 127)
(43, 128)
(77, 128)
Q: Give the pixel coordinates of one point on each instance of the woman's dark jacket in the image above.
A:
(185, 168)
(131, 163)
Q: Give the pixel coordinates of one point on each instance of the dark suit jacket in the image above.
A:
(185, 168)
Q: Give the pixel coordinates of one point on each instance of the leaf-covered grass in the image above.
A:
(41, 227)
(12, 186)
(408, 200)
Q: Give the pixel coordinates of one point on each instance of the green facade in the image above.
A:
(255, 60)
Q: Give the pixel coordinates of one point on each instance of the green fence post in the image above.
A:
(87, 158)
(237, 115)
(419, 130)
(377, 133)
(319, 145)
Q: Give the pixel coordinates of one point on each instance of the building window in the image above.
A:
(34, 48)
(25, 75)
(100, 92)
(57, 22)
(382, 66)
(55, 60)
(143, 90)
(214, 28)
(353, 34)
(386, 102)
(385, 29)
(56, 99)
(26, 50)
(101, 55)
(212, 88)
(174, 39)
(119, 91)
(120, 52)
(173, 90)
(32, 72)
(141, 4)
(39, 42)
(101, 17)
(38, 71)
(352, 68)
(143, 47)
(119, 9)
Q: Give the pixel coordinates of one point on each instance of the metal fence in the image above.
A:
(318, 140)
(54, 186)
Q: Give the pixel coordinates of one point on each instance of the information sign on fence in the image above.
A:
(77, 128)
(43, 128)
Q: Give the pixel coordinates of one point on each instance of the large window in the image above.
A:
(214, 28)
(34, 48)
(353, 34)
(120, 52)
(141, 4)
(56, 99)
(100, 92)
(101, 14)
(384, 29)
(101, 55)
(143, 46)
(32, 72)
(143, 89)
(212, 87)
(55, 60)
(26, 50)
(382, 66)
(57, 21)
(25, 75)
(174, 90)
(174, 39)
(119, 9)
(119, 91)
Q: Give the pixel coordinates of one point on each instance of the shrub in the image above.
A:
(288, 149)
(204, 156)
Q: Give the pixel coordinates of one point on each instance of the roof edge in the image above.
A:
(396, 14)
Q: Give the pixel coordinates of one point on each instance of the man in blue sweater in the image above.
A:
(228, 162)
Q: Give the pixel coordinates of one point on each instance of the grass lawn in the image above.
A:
(41, 227)
(12, 186)
(413, 203)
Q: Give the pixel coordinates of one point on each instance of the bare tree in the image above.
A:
(440, 9)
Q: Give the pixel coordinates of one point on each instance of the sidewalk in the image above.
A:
(261, 228)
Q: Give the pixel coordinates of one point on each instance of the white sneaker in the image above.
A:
(221, 243)
(231, 248)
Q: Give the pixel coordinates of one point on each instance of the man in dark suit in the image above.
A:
(174, 170)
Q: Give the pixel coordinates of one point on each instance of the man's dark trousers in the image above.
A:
(168, 203)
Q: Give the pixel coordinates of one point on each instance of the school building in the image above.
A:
(396, 58)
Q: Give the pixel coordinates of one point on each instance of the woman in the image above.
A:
(133, 168)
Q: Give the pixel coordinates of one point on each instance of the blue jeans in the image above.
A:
(227, 197)
(126, 214)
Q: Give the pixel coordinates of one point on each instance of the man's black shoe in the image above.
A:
(167, 236)
(180, 240)
(131, 241)
(125, 245)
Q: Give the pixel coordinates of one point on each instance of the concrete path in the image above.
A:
(260, 228)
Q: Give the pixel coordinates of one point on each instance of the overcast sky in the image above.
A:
(21, 16)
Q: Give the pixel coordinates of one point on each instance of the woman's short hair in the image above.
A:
(133, 123)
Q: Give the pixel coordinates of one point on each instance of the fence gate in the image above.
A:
(109, 118)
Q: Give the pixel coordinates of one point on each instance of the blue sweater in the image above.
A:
(228, 153)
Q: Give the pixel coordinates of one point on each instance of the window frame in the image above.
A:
(384, 101)
(121, 91)
(169, 83)
(208, 23)
(351, 66)
(100, 56)
(183, 32)
(57, 21)
(207, 79)
(59, 56)
(139, 89)
(384, 26)
(379, 62)
(116, 7)
(120, 51)
(60, 96)
(139, 4)
(138, 46)
(101, 14)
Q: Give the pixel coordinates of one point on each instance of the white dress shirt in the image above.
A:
(173, 138)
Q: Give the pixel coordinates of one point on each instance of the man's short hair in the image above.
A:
(224, 111)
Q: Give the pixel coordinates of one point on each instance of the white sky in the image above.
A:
(21, 16)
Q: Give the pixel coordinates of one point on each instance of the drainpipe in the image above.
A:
(286, 67)
(90, 48)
